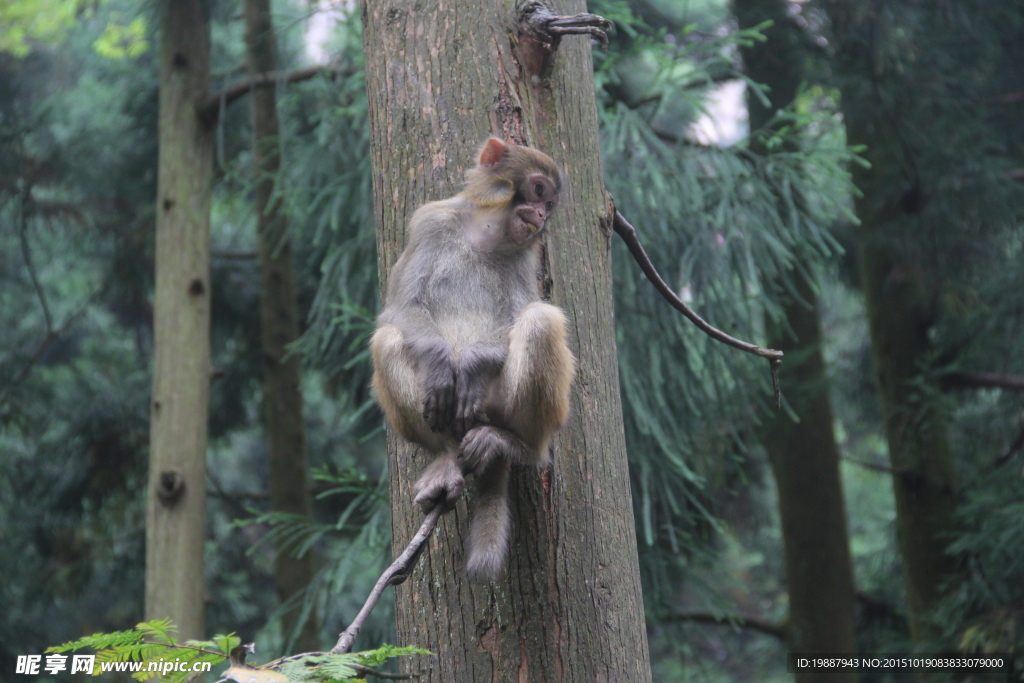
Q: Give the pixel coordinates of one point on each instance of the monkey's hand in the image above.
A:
(479, 365)
(484, 445)
(440, 484)
(438, 389)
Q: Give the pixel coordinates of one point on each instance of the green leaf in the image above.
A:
(386, 652)
(122, 41)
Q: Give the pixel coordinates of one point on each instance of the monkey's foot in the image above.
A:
(585, 23)
(481, 447)
(485, 445)
(440, 484)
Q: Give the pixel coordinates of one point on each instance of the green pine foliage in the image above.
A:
(947, 82)
(726, 227)
(154, 642)
(151, 641)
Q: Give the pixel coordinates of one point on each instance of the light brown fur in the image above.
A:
(468, 362)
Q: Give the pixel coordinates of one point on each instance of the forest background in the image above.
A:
(844, 183)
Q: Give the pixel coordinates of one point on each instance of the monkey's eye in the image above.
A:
(538, 189)
(549, 206)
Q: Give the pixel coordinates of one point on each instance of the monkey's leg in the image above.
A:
(399, 389)
(486, 444)
(532, 401)
(440, 484)
(535, 380)
(488, 530)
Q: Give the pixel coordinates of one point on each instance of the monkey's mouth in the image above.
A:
(530, 221)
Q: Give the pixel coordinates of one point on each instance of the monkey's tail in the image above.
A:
(489, 528)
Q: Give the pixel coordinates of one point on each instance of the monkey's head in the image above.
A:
(517, 178)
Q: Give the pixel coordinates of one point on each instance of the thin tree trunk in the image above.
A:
(899, 313)
(282, 398)
(176, 512)
(568, 606)
(900, 284)
(803, 455)
(805, 462)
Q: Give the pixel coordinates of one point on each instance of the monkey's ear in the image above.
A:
(493, 152)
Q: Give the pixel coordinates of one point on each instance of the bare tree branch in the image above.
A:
(237, 659)
(875, 468)
(234, 255)
(211, 108)
(1017, 444)
(881, 609)
(44, 344)
(395, 574)
(27, 256)
(768, 628)
(984, 380)
(628, 234)
(550, 27)
(1010, 97)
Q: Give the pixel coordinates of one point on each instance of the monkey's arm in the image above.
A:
(433, 362)
(409, 309)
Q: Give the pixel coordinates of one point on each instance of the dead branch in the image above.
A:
(234, 255)
(762, 626)
(885, 469)
(984, 380)
(395, 574)
(209, 110)
(44, 344)
(1009, 98)
(1017, 444)
(628, 234)
(549, 27)
(877, 609)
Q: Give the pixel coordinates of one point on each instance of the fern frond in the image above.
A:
(100, 641)
(386, 652)
(158, 630)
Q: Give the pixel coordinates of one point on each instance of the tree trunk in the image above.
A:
(900, 312)
(282, 399)
(568, 606)
(176, 513)
(805, 462)
(803, 455)
(900, 287)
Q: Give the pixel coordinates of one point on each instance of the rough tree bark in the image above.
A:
(568, 607)
(279, 327)
(176, 512)
(803, 455)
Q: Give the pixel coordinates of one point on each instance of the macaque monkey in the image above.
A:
(468, 362)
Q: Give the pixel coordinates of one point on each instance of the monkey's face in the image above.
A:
(539, 199)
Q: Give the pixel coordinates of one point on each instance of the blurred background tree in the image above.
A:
(749, 216)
